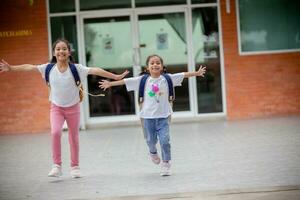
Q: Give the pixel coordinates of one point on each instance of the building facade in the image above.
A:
(250, 48)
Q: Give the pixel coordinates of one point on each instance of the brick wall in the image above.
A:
(258, 85)
(24, 103)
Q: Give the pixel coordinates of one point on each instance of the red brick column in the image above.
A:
(24, 106)
(258, 85)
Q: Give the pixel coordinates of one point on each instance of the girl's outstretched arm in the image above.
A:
(201, 71)
(104, 84)
(101, 72)
(5, 67)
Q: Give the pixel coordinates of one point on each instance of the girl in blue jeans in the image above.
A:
(156, 109)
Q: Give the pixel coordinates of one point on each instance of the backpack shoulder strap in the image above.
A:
(47, 72)
(142, 87)
(75, 74)
(170, 87)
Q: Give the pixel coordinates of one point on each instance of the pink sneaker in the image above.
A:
(165, 169)
(55, 171)
(155, 158)
(75, 172)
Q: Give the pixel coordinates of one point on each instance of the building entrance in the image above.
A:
(184, 37)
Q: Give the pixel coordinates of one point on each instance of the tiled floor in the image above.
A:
(206, 156)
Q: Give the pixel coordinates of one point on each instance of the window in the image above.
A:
(104, 4)
(65, 27)
(204, 1)
(57, 6)
(141, 3)
(106, 47)
(164, 34)
(269, 25)
(207, 52)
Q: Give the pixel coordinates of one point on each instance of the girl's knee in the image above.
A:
(74, 138)
(165, 140)
(151, 142)
(56, 134)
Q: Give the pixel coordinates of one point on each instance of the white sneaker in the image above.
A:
(55, 171)
(155, 158)
(165, 169)
(75, 172)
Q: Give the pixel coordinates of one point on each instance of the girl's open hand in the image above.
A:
(201, 71)
(121, 76)
(104, 84)
(4, 66)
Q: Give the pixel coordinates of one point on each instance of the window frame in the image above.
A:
(245, 53)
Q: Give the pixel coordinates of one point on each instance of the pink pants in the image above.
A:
(57, 117)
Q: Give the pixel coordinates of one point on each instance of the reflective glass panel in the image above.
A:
(57, 6)
(108, 45)
(269, 25)
(164, 34)
(65, 27)
(104, 4)
(203, 1)
(207, 52)
(141, 3)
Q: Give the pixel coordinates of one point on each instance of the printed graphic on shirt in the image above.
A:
(154, 91)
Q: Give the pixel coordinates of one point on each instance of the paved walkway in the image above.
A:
(250, 159)
(262, 193)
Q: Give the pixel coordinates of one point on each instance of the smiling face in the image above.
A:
(155, 66)
(61, 52)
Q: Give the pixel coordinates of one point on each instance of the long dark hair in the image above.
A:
(54, 60)
(145, 71)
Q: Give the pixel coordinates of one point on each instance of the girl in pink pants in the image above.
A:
(57, 117)
(64, 97)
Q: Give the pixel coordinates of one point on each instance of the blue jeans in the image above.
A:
(155, 129)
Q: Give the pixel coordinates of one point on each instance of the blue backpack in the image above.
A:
(75, 75)
(143, 83)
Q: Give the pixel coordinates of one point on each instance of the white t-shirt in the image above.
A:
(64, 91)
(156, 98)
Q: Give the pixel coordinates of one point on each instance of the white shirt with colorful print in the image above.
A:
(156, 98)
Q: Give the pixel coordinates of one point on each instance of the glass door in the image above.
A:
(206, 48)
(108, 44)
(165, 35)
(183, 37)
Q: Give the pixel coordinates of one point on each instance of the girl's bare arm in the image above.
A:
(104, 84)
(101, 72)
(201, 71)
(5, 67)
